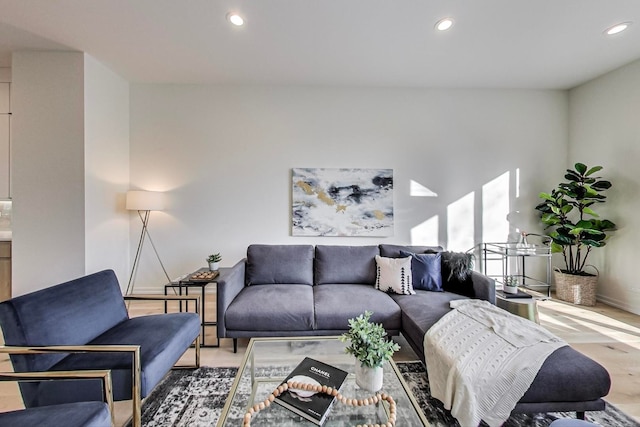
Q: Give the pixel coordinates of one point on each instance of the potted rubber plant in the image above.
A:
(214, 261)
(369, 344)
(576, 229)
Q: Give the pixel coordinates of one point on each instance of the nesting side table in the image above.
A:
(523, 307)
(193, 280)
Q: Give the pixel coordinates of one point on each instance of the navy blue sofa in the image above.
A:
(88, 315)
(315, 290)
(77, 414)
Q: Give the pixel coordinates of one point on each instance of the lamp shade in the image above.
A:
(145, 201)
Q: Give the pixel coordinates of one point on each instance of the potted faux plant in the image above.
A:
(575, 229)
(214, 261)
(510, 285)
(369, 344)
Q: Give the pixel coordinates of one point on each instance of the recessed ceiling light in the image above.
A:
(235, 19)
(444, 24)
(618, 28)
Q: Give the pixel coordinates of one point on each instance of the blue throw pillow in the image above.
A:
(426, 271)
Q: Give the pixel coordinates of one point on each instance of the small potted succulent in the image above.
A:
(369, 344)
(214, 261)
(510, 285)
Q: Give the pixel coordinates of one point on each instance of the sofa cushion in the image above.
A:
(421, 311)
(345, 264)
(457, 273)
(394, 275)
(393, 251)
(270, 264)
(425, 271)
(335, 304)
(276, 307)
(163, 339)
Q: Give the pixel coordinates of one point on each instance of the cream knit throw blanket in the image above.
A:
(481, 360)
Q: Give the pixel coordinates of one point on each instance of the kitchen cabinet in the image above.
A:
(5, 141)
(5, 271)
(5, 153)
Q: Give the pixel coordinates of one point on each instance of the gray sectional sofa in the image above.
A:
(301, 290)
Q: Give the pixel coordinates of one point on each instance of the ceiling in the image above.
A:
(556, 44)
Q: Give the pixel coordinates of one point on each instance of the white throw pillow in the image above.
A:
(394, 275)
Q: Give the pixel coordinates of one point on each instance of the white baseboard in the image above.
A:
(618, 304)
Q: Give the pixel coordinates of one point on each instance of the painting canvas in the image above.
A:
(342, 202)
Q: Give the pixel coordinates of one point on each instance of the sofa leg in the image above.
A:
(580, 415)
(235, 345)
(198, 351)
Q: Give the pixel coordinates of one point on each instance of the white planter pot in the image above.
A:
(510, 289)
(213, 266)
(369, 379)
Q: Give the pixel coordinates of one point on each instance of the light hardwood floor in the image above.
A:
(606, 334)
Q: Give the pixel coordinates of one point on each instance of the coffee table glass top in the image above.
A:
(268, 361)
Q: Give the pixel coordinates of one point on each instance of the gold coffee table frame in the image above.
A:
(283, 354)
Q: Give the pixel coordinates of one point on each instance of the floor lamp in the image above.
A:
(144, 202)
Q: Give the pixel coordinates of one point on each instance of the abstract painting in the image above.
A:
(342, 202)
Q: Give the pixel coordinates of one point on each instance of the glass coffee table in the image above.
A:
(268, 361)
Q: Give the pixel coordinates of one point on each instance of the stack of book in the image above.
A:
(508, 295)
(310, 405)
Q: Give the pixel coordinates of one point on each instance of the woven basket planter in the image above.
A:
(575, 288)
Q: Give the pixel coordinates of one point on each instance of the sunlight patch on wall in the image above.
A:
(418, 190)
(460, 223)
(495, 208)
(426, 234)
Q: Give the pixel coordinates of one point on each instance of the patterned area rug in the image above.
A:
(196, 397)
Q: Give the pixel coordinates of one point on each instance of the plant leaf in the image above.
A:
(606, 225)
(590, 212)
(593, 170)
(602, 185)
(581, 168)
(576, 231)
(593, 243)
(572, 176)
(584, 224)
(555, 248)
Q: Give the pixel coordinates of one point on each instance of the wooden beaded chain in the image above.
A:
(378, 397)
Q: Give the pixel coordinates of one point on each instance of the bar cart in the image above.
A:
(514, 258)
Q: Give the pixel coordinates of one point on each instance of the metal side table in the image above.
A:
(193, 280)
(523, 307)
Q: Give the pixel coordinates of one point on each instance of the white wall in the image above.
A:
(106, 163)
(5, 74)
(605, 130)
(48, 169)
(224, 155)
